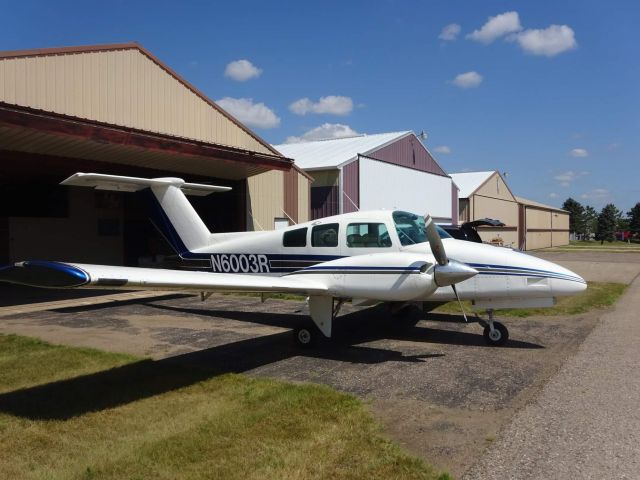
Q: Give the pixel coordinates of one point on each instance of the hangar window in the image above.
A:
(295, 238)
(325, 235)
(368, 235)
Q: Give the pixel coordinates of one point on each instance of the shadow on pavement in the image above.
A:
(365, 325)
(117, 303)
(12, 295)
(118, 386)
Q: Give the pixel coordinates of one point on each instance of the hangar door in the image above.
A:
(387, 186)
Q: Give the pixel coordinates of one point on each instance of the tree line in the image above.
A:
(586, 223)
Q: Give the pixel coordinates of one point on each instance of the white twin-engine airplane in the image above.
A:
(394, 257)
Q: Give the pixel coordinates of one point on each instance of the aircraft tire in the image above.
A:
(499, 337)
(305, 336)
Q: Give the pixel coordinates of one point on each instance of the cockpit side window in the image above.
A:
(325, 235)
(295, 238)
(442, 232)
(368, 235)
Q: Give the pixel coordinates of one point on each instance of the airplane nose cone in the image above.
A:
(567, 283)
(453, 272)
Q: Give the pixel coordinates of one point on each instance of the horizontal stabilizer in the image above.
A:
(133, 184)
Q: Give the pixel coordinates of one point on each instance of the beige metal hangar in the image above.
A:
(542, 226)
(529, 225)
(118, 109)
(486, 195)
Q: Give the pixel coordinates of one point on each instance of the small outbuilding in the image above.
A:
(487, 195)
(381, 171)
(528, 225)
(543, 226)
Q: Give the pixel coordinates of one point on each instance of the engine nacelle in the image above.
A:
(394, 276)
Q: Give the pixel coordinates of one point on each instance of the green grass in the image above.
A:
(598, 295)
(72, 413)
(592, 245)
(596, 243)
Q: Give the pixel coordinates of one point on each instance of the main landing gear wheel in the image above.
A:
(306, 336)
(497, 336)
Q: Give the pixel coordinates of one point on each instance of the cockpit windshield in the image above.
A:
(411, 229)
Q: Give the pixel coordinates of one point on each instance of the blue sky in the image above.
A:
(558, 108)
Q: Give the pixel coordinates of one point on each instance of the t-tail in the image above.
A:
(170, 210)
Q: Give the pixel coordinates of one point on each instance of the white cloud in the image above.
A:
(468, 80)
(549, 41)
(565, 178)
(579, 152)
(596, 194)
(553, 195)
(331, 104)
(442, 149)
(242, 70)
(249, 113)
(324, 132)
(450, 32)
(613, 146)
(496, 27)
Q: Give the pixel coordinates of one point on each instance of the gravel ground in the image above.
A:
(586, 421)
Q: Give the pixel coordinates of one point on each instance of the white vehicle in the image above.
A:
(394, 257)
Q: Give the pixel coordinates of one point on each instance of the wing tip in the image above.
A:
(45, 274)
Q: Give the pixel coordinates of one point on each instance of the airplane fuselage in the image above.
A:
(507, 278)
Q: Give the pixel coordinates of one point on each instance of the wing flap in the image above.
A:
(68, 275)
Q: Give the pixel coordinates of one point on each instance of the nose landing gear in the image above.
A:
(495, 333)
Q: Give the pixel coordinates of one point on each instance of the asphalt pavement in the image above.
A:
(585, 423)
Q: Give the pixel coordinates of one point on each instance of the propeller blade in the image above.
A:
(435, 241)
(446, 272)
(455, 290)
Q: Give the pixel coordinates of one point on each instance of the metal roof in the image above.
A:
(55, 52)
(531, 203)
(332, 153)
(469, 182)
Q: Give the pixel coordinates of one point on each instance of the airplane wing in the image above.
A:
(74, 275)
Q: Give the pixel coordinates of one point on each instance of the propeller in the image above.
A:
(447, 271)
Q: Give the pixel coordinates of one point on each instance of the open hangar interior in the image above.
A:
(117, 109)
(369, 172)
(528, 225)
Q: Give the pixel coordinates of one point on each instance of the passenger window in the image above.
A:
(295, 238)
(368, 235)
(325, 235)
